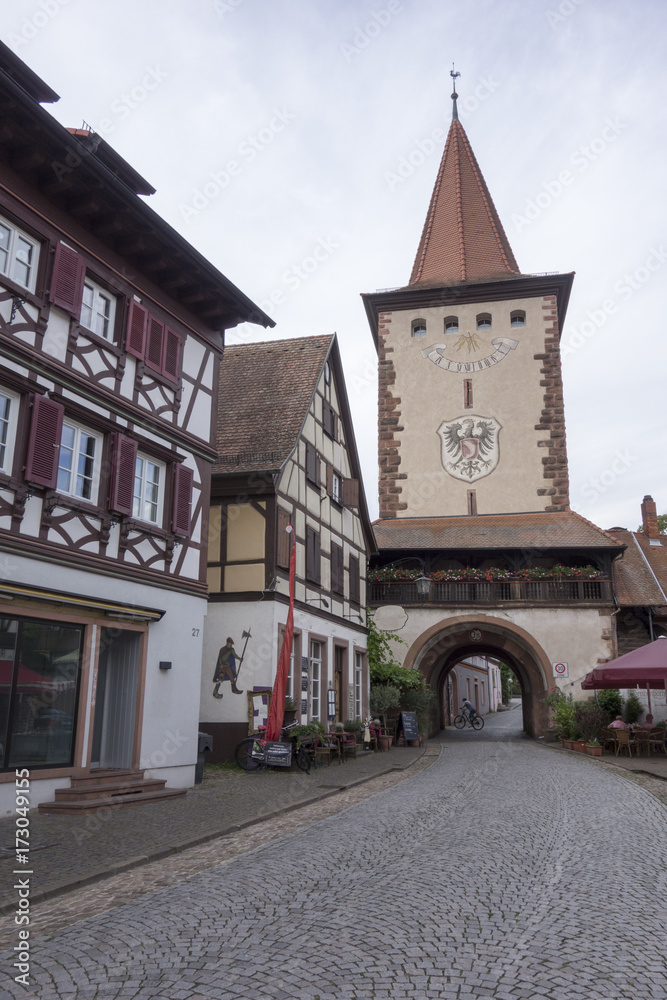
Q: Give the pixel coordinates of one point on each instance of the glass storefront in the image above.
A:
(40, 667)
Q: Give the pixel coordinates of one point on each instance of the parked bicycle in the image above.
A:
(249, 753)
(463, 721)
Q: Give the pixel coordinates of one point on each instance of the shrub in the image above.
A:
(633, 709)
(610, 701)
(562, 709)
(382, 698)
(422, 701)
(590, 718)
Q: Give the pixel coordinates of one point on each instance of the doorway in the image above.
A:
(116, 700)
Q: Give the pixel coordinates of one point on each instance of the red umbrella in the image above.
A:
(646, 666)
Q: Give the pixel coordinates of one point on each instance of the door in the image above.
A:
(116, 699)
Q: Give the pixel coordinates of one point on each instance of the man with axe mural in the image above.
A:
(228, 665)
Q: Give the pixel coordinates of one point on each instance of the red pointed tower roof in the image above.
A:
(463, 238)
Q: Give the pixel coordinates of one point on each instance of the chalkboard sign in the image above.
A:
(408, 723)
(278, 754)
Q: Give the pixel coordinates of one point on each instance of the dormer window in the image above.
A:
(451, 324)
(484, 321)
(419, 328)
(517, 318)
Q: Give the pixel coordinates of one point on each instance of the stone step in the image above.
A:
(106, 777)
(109, 801)
(96, 790)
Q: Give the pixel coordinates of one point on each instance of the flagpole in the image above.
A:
(274, 722)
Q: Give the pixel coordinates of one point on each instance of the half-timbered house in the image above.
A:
(286, 456)
(111, 333)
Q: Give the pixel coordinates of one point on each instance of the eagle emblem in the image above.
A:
(470, 448)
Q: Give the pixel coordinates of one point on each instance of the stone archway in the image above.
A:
(438, 648)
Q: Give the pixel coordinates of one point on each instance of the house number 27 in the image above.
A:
(195, 632)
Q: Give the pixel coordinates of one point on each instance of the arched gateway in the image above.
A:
(446, 643)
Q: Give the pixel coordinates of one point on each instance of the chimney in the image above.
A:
(650, 518)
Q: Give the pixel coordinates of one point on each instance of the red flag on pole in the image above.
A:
(274, 723)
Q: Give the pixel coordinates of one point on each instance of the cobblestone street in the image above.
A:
(502, 870)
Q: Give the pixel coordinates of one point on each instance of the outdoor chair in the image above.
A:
(348, 746)
(608, 739)
(624, 741)
(641, 737)
(656, 740)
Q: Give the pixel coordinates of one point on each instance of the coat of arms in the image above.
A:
(470, 446)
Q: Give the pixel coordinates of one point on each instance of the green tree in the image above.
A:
(383, 667)
(662, 524)
(509, 683)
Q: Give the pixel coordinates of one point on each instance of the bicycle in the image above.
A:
(461, 721)
(249, 753)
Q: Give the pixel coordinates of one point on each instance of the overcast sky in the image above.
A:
(274, 127)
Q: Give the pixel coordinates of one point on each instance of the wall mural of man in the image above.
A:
(227, 667)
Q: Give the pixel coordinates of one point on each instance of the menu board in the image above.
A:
(408, 724)
(277, 754)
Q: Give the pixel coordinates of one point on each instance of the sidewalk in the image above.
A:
(68, 852)
(655, 766)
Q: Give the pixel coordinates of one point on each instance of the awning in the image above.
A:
(126, 612)
(644, 667)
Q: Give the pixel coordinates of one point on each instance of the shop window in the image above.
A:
(41, 663)
(315, 680)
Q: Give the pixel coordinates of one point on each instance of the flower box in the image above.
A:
(594, 751)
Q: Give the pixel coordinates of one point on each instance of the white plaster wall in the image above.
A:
(39, 791)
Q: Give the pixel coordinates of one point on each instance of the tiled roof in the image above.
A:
(463, 238)
(538, 530)
(265, 392)
(640, 576)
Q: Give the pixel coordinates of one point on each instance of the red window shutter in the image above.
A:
(354, 579)
(154, 344)
(183, 479)
(123, 467)
(337, 570)
(41, 465)
(172, 354)
(351, 492)
(69, 270)
(135, 342)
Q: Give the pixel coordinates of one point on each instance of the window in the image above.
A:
(472, 502)
(151, 341)
(315, 679)
(328, 420)
(312, 464)
(354, 580)
(98, 310)
(41, 668)
(9, 406)
(337, 570)
(419, 328)
(484, 321)
(327, 372)
(336, 488)
(313, 556)
(467, 393)
(358, 689)
(78, 462)
(451, 324)
(517, 318)
(148, 489)
(18, 256)
(283, 540)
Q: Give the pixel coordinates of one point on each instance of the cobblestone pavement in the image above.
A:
(491, 873)
(68, 849)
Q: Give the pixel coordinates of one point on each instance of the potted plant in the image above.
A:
(290, 711)
(352, 727)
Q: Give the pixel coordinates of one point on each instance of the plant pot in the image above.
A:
(413, 743)
(566, 744)
(385, 742)
(594, 751)
(289, 717)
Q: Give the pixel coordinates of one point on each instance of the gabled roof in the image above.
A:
(463, 238)
(538, 530)
(265, 393)
(640, 577)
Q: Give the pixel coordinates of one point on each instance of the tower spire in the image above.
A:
(455, 110)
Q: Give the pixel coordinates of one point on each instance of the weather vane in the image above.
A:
(455, 110)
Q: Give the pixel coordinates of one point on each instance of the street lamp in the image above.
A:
(423, 586)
